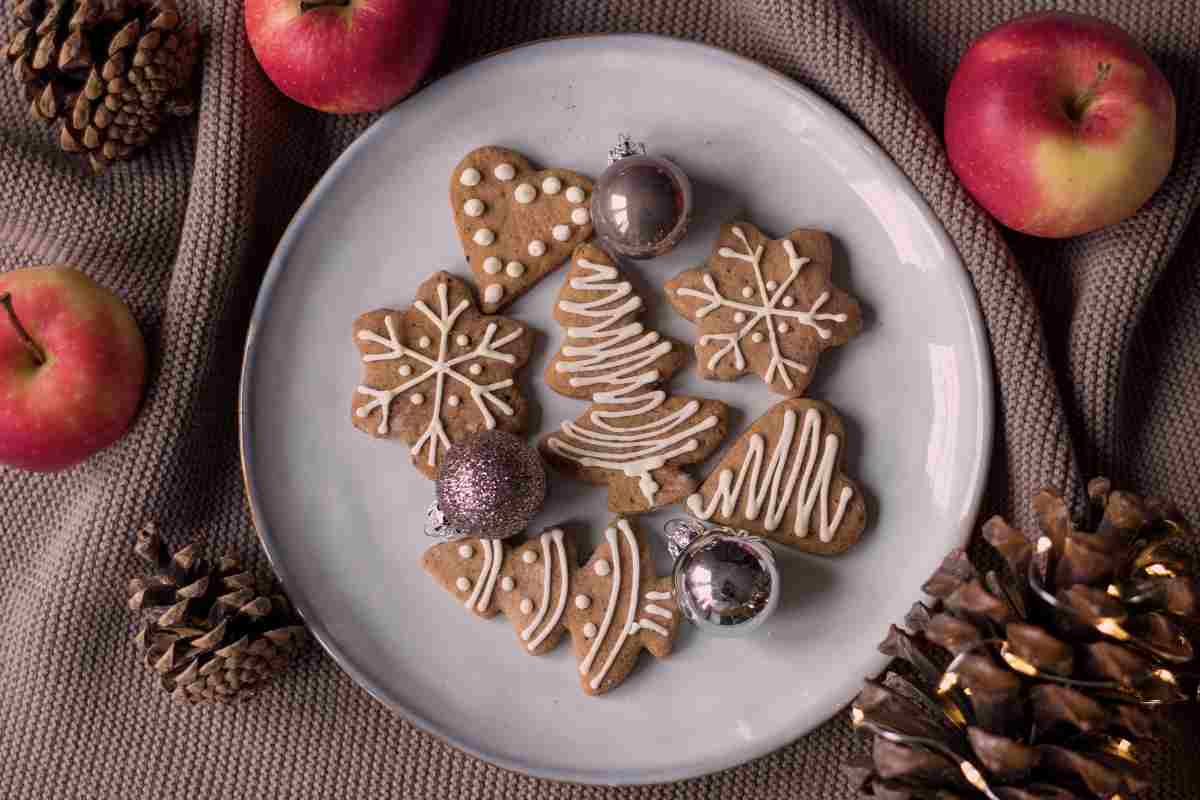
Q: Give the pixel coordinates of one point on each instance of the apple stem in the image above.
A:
(39, 356)
(1076, 109)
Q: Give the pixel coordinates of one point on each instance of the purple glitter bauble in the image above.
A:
(491, 485)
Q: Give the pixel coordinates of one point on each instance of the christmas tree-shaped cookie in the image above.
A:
(619, 608)
(766, 306)
(635, 436)
(529, 584)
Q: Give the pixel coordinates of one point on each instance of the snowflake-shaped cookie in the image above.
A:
(766, 306)
(439, 372)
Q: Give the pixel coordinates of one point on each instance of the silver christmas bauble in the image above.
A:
(726, 581)
(642, 204)
(490, 485)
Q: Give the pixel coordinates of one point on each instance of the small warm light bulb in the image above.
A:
(857, 716)
(1016, 662)
(1124, 747)
(1044, 544)
(1165, 675)
(949, 681)
(1114, 590)
(973, 776)
(1110, 627)
(1159, 571)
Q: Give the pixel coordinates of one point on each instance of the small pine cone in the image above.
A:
(1045, 681)
(83, 61)
(212, 631)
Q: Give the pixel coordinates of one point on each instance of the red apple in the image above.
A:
(345, 56)
(72, 368)
(1059, 124)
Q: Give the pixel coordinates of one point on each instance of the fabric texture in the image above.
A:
(1096, 343)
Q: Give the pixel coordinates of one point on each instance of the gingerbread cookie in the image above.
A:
(607, 351)
(619, 608)
(766, 306)
(783, 479)
(635, 437)
(529, 584)
(516, 223)
(438, 372)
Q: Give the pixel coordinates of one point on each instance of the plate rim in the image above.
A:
(964, 286)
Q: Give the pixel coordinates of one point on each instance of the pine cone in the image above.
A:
(214, 632)
(105, 73)
(1042, 683)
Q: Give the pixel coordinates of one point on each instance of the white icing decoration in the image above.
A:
(552, 185)
(505, 172)
(651, 625)
(405, 370)
(417, 399)
(757, 337)
(470, 177)
(635, 572)
(555, 537)
(492, 265)
(507, 584)
(424, 342)
(783, 327)
(529, 557)
(622, 356)
(537, 248)
(747, 292)
(462, 340)
(788, 301)
(484, 237)
(574, 194)
(739, 317)
(473, 207)
(465, 551)
(526, 605)
(657, 611)
(515, 269)
(453, 401)
(463, 585)
(475, 369)
(772, 286)
(561, 233)
(766, 310)
(493, 555)
(803, 489)
(581, 216)
(440, 370)
(659, 595)
(603, 568)
(589, 630)
(583, 602)
(525, 194)
(493, 293)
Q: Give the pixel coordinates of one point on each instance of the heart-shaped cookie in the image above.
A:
(517, 224)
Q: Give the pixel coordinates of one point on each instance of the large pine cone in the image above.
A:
(105, 72)
(1040, 684)
(214, 632)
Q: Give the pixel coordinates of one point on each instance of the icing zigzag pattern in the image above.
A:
(635, 436)
(783, 479)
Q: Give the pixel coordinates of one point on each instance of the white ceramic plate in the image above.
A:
(340, 514)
